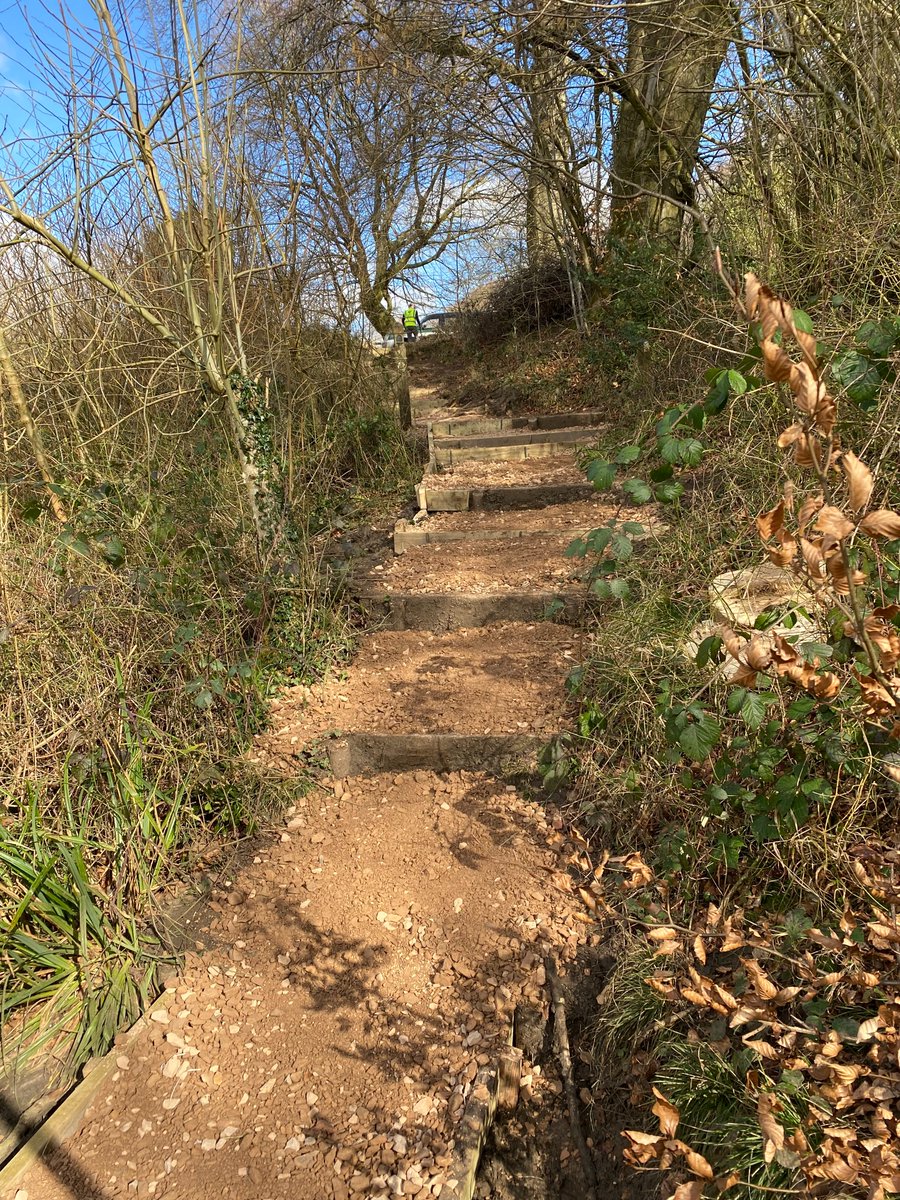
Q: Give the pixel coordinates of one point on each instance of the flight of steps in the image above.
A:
(485, 552)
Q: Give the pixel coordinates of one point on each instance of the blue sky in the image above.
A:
(25, 32)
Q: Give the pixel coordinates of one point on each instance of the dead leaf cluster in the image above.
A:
(815, 537)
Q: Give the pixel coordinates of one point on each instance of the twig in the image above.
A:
(561, 1039)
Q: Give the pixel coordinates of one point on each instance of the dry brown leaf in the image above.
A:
(764, 1049)
(883, 522)
(859, 479)
(803, 455)
(777, 364)
(808, 510)
(662, 933)
(813, 557)
(699, 948)
(762, 984)
(792, 434)
(832, 520)
(697, 1163)
(868, 1029)
(758, 654)
(771, 522)
(667, 1113)
(693, 1190)
(772, 1130)
(667, 948)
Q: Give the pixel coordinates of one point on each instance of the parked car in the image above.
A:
(438, 322)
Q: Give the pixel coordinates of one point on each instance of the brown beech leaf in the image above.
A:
(808, 510)
(777, 364)
(832, 520)
(699, 948)
(762, 984)
(758, 653)
(868, 1029)
(803, 456)
(668, 1114)
(792, 434)
(751, 294)
(771, 522)
(662, 933)
(825, 414)
(772, 1130)
(859, 480)
(693, 1190)
(813, 557)
(744, 676)
(876, 695)
(883, 522)
(764, 1049)
(697, 1163)
(808, 390)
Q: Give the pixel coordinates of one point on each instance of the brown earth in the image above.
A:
(533, 564)
(369, 960)
(367, 964)
(579, 514)
(468, 681)
(530, 472)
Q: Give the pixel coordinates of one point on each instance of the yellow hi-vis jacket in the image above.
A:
(409, 318)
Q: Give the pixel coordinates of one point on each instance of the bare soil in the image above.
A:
(530, 472)
(499, 679)
(532, 564)
(577, 515)
(367, 964)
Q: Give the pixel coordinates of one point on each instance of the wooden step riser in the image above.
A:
(487, 425)
(491, 499)
(439, 613)
(372, 753)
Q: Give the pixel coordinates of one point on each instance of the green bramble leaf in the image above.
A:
(699, 737)
(601, 474)
(803, 321)
(576, 548)
(637, 490)
(628, 454)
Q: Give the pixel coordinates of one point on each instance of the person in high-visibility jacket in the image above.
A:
(410, 323)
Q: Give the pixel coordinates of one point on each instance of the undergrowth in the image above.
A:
(140, 641)
(741, 817)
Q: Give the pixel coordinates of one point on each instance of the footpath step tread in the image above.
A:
(325, 1047)
(444, 611)
(500, 680)
(533, 564)
(472, 426)
(366, 967)
(579, 435)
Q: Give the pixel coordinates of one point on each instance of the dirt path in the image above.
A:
(365, 966)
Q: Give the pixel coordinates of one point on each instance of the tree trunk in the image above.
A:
(379, 316)
(675, 51)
